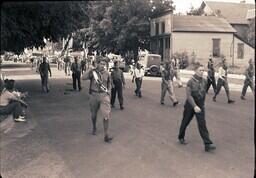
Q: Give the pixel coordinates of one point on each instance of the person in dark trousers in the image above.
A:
(118, 83)
(167, 85)
(44, 69)
(249, 74)
(194, 105)
(100, 82)
(211, 76)
(223, 81)
(76, 73)
(138, 75)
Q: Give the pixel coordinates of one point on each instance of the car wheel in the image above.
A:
(154, 70)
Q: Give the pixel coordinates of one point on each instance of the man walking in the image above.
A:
(99, 95)
(167, 85)
(138, 76)
(223, 81)
(249, 74)
(76, 73)
(194, 105)
(67, 62)
(211, 76)
(44, 68)
(118, 83)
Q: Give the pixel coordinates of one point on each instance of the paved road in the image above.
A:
(56, 140)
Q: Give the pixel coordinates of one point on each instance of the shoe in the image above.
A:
(209, 147)
(112, 106)
(231, 101)
(108, 139)
(162, 103)
(80, 89)
(94, 131)
(180, 86)
(214, 99)
(183, 141)
(47, 91)
(175, 103)
(242, 98)
(20, 119)
(121, 107)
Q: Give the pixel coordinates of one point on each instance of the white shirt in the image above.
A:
(5, 97)
(222, 73)
(139, 73)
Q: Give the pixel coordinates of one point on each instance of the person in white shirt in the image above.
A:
(175, 65)
(138, 76)
(223, 81)
(11, 103)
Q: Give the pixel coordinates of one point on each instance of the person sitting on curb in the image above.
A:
(11, 102)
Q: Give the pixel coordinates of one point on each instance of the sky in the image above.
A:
(184, 5)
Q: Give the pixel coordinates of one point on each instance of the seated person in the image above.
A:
(11, 102)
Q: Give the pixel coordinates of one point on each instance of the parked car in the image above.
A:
(151, 64)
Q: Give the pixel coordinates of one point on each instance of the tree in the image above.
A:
(26, 24)
(194, 11)
(122, 26)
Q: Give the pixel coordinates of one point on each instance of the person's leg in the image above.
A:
(172, 94)
(214, 84)
(246, 84)
(120, 96)
(47, 84)
(219, 85)
(105, 110)
(113, 96)
(252, 86)
(140, 84)
(163, 92)
(202, 127)
(94, 107)
(137, 86)
(42, 83)
(227, 92)
(178, 78)
(74, 80)
(12, 108)
(187, 117)
(209, 82)
(78, 76)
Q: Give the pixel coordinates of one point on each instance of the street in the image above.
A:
(56, 140)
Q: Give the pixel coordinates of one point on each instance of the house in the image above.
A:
(235, 13)
(199, 35)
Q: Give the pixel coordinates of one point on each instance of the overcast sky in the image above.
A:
(184, 5)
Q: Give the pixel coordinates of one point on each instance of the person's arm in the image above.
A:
(49, 69)
(87, 75)
(122, 76)
(111, 79)
(189, 97)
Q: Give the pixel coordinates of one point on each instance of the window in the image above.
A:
(216, 47)
(240, 50)
(157, 28)
(167, 43)
(163, 27)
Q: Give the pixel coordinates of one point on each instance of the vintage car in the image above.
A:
(151, 64)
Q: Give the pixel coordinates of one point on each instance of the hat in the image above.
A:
(100, 58)
(9, 84)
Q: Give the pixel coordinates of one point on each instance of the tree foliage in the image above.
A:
(121, 26)
(26, 24)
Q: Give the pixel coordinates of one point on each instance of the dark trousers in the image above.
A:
(223, 83)
(12, 108)
(247, 83)
(211, 81)
(138, 82)
(119, 90)
(76, 76)
(200, 117)
(44, 82)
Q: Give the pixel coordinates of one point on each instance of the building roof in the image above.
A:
(201, 24)
(235, 13)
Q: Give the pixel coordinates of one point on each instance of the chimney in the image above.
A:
(243, 1)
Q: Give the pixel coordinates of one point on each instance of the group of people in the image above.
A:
(104, 86)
